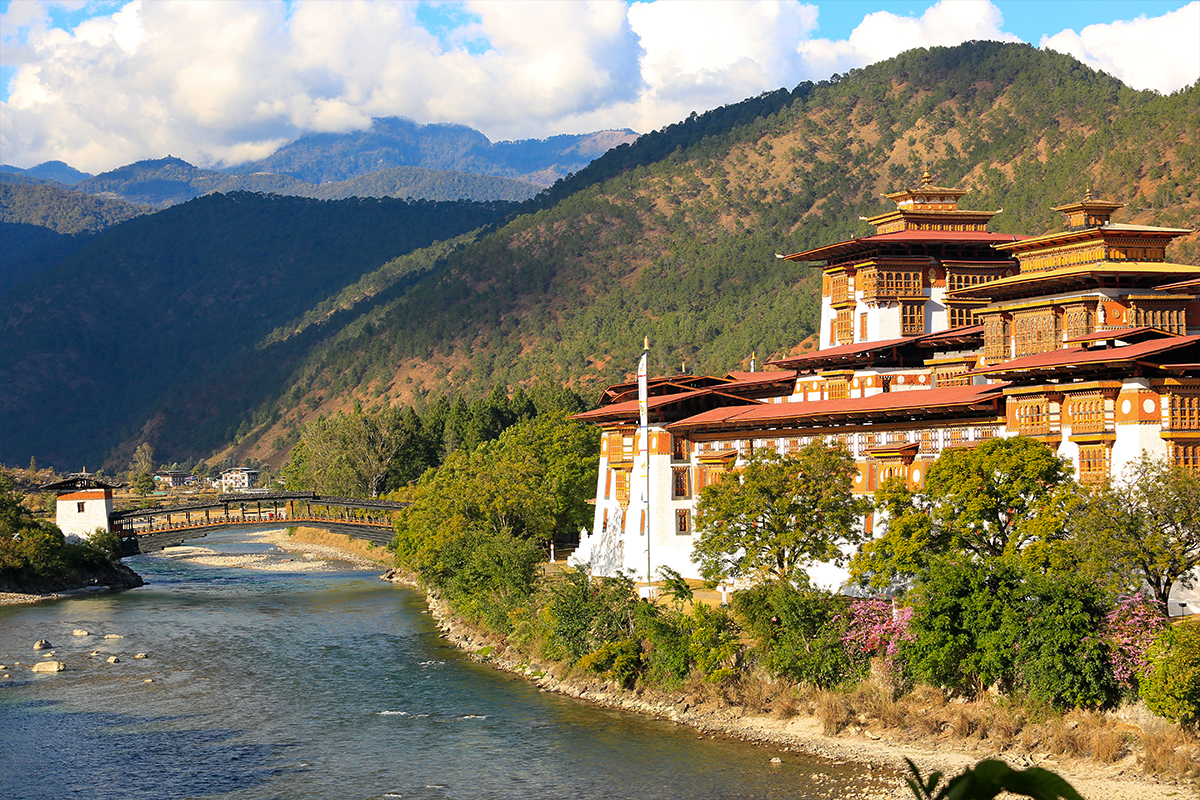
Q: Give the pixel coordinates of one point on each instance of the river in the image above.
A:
(329, 684)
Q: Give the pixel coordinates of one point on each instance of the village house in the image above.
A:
(935, 333)
(237, 479)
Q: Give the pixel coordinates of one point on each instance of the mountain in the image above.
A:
(167, 181)
(90, 345)
(55, 171)
(672, 236)
(398, 142)
(43, 223)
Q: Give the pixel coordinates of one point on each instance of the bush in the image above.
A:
(1171, 687)
(993, 622)
(1130, 629)
(798, 632)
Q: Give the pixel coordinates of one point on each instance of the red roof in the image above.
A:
(915, 401)
(848, 352)
(629, 408)
(747, 380)
(905, 237)
(1125, 334)
(1079, 357)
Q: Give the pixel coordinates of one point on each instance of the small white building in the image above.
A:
(84, 505)
(237, 479)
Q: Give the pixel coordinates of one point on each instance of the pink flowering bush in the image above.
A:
(875, 628)
(1129, 629)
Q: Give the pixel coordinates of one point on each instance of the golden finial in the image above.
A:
(1088, 194)
(646, 343)
(926, 179)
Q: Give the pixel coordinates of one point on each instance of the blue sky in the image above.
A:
(101, 83)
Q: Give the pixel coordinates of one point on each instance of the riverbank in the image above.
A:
(798, 726)
(115, 577)
(294, 550)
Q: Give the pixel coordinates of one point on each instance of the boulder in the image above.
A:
(42, 644)
(80, 632)
(140, 655)
(114, 660)
(113, 636)
(48, 666)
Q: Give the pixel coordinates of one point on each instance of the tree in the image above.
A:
(1003, 497)
(143, 484)
(1143, 528)
(143, 459)
(778, 514)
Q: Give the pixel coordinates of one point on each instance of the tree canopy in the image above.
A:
(1144, 527)
(778, 514)
(1002, 497)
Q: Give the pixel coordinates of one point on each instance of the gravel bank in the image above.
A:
(1094, 781)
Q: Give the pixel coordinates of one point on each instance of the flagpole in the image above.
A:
(644, 451)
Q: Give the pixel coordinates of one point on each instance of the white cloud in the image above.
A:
(882, 35)
(216, 81)
(1160, 53)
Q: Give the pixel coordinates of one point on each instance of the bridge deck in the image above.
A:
(147, 530)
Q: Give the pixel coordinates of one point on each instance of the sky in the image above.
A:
(103, 83)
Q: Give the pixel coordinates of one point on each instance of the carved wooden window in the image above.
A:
(622, 480)
(961, 280)
(952, 376)
(79, 507)
(995, 339)
(899, 283)
(912, 319)
(1186, 456)
(957, 436)
(1078, 322)
(1033, 417)
(1036, 333)
(679, 482)
(839, 291)
(1165, 319)
(862, 326)
(1093, 463)
(1087, 413)
(608, 478)
(679, 448)
(838, 389)
(929, 441)
(1185, 412)
(960, 316)
(845, 326)
(683, 522)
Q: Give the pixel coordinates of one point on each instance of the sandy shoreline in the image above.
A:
(290, 554)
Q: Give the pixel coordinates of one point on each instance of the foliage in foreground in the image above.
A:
(34, 554)
(989, 778)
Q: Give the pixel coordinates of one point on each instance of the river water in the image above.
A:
(331, 684)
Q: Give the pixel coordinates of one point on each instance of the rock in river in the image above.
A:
(42, 644)
(49, 666)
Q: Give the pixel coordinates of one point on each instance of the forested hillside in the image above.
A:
(90, 346)
(41, 224)
(674, 237)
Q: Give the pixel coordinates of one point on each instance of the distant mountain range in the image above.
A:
(396, 157)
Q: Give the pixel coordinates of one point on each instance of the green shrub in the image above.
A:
(1171, 688)
(798, 632)
(994, 622)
